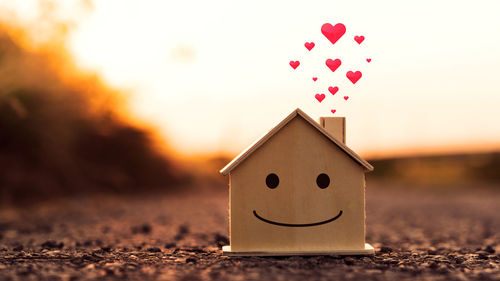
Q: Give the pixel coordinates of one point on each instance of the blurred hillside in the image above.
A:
(63, 132)
(446, 170)
(461, 170)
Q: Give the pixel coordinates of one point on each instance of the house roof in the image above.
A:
(297, 112)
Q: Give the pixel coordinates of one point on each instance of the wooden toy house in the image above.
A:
(298, 190)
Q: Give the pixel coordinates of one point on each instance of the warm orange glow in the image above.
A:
(214, 78)
(47, 66)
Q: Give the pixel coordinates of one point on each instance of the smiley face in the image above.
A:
(322, 182)
(297, 192)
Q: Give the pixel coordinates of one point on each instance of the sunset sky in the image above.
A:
(212, 76)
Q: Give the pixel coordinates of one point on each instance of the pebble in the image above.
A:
(106, 249)
(483, 255)
(181, 232)
(170, 245)
(144, 229)
(489, 249)
(349, 261)
(385, 249)
(154, 250)
(90, 266)
(77, 260)
(432, 251)
(221, 240)
(183, 229)
(51, 244)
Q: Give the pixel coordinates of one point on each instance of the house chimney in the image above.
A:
(335, 126)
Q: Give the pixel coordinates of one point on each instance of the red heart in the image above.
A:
(294, 64)
(333, 90)
(354, 76)
(315, 78)
(320, 97)
(333, 33)
(359, 39)
(368, 60)
(333, 64)
(309, 45)
(333, 111)
(346, 97)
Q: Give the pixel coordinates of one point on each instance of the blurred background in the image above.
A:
(116, 116)
(127, 97)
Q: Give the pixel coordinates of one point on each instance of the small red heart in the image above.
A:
(320, 97)
(346, 97)
(315, 78)
(294, 64)
(309, 45)
(359, 39)
(354, 76)
(368, 60)
(333, 64)
(333, 90)
(333, 111)
(333, 33)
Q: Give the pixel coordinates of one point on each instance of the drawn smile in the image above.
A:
(297, 225)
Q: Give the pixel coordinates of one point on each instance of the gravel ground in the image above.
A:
(418, 235)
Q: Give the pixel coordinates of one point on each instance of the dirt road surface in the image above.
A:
(418, 235)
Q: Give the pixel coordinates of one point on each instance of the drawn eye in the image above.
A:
(323, 181)
(272, 181)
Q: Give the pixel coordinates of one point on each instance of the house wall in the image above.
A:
(297, 154)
